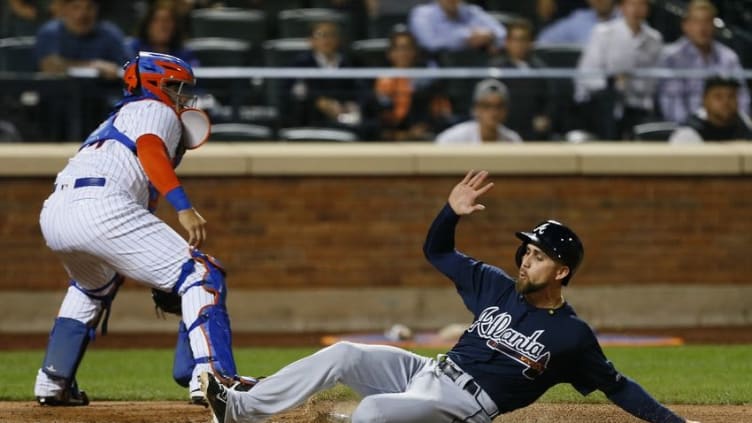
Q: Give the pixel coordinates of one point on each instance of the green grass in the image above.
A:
(685, 375)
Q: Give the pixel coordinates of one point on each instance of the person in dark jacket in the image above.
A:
(408, 109)
(533, 98)
(719, 119)
(325, 102)
(78, 38)
(161, 31)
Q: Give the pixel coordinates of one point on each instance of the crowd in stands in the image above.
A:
(616, 37)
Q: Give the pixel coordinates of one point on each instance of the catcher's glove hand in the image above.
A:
(166, 302)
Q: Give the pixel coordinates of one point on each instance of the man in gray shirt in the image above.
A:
(680, 97)
(454, 25)
(576, 27)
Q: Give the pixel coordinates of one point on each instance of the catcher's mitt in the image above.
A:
(166, 302)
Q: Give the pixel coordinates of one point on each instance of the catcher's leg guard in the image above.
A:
(183, 364)
(67, 344)
(68, 341)
(203, 293)
(74, 328)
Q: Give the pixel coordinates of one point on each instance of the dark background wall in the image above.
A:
(309, 232)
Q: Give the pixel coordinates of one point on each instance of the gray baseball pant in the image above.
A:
(398, 387)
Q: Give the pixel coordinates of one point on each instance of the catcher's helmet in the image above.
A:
(161, 77)
(557, 241)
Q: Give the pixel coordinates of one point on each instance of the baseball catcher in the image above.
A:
(99, 221)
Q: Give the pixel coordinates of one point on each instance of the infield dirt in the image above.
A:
(318, 412)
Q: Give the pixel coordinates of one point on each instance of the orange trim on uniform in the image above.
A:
(151, 152)
(213, 291)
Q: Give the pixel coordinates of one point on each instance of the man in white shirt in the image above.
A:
(490, 104)
(619, 47)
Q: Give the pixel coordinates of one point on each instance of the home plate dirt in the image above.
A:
(326, 411)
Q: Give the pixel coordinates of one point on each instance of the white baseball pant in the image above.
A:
(397, 386)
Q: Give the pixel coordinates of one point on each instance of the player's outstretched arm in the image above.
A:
(468, 274)
(440, 239)
(633, 399)
(463, 197)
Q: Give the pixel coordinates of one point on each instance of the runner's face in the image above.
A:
(537, 270)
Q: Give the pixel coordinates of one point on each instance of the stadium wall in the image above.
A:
(329, 237)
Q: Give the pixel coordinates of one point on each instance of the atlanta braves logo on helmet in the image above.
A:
(541, 228)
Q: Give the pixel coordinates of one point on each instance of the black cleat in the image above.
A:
(216, 396)
(244, 383)
(197, 398)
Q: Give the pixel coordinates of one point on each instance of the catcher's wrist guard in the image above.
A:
(166, 302)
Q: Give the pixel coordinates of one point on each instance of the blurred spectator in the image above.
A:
(454, 25)
(557, 9)
(491, 100)
(390, 7)
(161, 31)
(539, 12)
(533, 97)
(719, 119)
(577, 26)
(545, 11)
(618, 47)
(410, 110)
(697, 49)
(325, 101)
(25, 16)
(78, 38)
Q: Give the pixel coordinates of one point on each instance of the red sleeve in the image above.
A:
(156, 162)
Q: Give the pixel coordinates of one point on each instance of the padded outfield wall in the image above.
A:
(329, 237)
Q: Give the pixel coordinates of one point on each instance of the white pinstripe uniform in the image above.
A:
(99, 231)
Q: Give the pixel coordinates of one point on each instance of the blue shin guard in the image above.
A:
(65, 349)
(68, 341)
(183, 364)
(213, 321)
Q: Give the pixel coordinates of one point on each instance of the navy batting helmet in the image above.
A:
(557, 241)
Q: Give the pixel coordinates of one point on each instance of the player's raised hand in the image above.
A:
(194, 224)
(463, 195)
